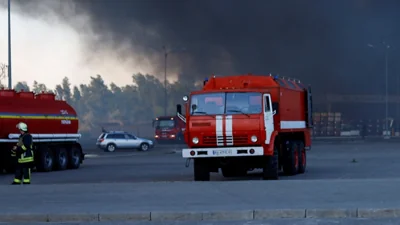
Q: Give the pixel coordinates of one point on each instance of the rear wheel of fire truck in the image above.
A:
(201, 170)
(61, 158)
(302, 157)
(45, 159)
(74, 156)
(291, 163)
(271, 166)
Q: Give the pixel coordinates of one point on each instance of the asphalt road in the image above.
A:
(261, 222)
(325, 161)
(339, 175)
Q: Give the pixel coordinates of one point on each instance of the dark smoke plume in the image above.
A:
(321, 42)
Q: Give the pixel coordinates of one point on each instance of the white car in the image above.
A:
(112, 140)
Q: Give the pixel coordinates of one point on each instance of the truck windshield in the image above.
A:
(165, 124)
(226, 103)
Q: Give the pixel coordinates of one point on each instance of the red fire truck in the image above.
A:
(245, 122)
(168, 129)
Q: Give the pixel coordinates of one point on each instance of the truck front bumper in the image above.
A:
(223, 152)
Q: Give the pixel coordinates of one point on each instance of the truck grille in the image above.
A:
(237, 139)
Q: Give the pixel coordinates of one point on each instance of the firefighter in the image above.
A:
(24, 154)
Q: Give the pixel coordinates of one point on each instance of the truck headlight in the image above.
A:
(254, 138)
(195, 140)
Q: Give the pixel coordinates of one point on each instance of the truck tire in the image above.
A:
(61, 158)
(302, 158)
(271, 166)
(74, 160)
(201, 170)
(45, 160)
(291, 163)
(231, 171)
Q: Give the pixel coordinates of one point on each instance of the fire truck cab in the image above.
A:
(168, 130)
(245, 122)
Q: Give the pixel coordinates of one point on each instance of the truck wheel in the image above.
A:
(74, 158)
(144, 147)
(61, 159)
(45, 159)
(291, 164)
(110, 148)
(302, 158)
(201, 171)
(271, 166)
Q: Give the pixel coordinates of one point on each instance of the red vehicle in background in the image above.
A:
(169, 130)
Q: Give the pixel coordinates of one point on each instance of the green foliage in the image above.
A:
(132, 105)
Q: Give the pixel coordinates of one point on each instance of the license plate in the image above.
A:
(222, 152)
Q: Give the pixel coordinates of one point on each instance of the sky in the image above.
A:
(47, 50)
(321, 42)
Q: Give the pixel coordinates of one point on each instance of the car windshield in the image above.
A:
(226, 103)
(165, 123)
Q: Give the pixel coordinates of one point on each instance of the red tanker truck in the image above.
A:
(245, 122)
(52, 123)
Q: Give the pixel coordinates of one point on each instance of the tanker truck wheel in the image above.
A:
(271, 166)
(61, 158)
(74, 160)
(45, 159)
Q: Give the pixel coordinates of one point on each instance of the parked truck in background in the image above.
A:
(52, 123)
(245, 122)
(168, 130)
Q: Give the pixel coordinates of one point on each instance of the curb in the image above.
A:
(259, 214)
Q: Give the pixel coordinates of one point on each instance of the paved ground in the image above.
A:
(326, 161)
(261, 222)
(340, 176)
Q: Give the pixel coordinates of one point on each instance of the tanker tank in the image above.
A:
(52, 123)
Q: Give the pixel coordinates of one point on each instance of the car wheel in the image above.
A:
(110, 148)
(144, 147)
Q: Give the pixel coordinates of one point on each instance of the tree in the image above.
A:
(133, 105)
(39, 88)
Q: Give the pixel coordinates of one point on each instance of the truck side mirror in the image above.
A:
(275, 108)
(153, 123)
(179, 108)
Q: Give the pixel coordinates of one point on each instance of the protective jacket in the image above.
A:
(24, 151)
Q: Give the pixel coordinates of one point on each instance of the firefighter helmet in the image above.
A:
(22, 126)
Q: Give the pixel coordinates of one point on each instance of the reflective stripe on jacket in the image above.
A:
(25, 148)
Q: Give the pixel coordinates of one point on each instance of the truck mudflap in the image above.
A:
(223, 152)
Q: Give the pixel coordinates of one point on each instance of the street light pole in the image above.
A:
(387, 131)
(387, 97)
(165, 76)
(165, 82)
(9, 45)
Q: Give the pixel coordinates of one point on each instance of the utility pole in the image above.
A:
(166, 53)
(165, 81)
(386, 48)
(397, 119)
(9, 45)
